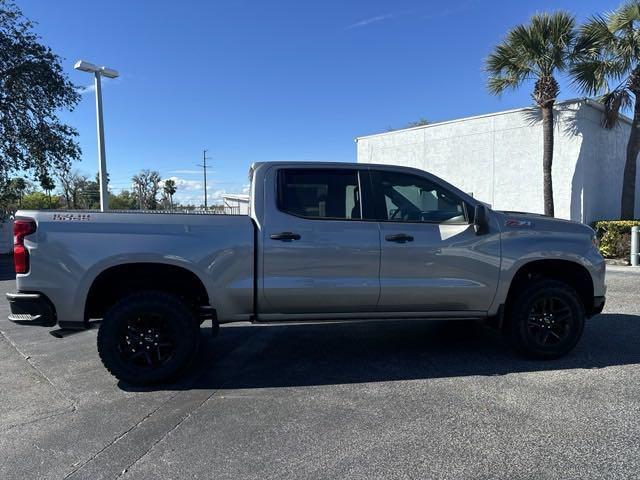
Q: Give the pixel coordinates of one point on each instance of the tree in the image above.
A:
(72, 184)
(123, 201)
(607, 63)
(90, 194)
(39, 201)
(47, 184)
(418, 123)
(146, 185)
(170, 189)
(11, 194)
(536, 51)
(33, 89)
(17, 187)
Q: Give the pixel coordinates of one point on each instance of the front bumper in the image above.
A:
(31, 309)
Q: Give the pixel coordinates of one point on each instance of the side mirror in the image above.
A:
(480, 222)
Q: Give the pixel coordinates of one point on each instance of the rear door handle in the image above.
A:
(285, 236)
(399, 238)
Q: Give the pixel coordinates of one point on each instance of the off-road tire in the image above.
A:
(167, 317)
(524, 315)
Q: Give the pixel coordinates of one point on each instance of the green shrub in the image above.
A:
(615, 237)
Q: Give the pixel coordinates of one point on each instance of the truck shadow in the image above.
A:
(243, 357)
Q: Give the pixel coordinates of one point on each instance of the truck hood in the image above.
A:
(536, 221)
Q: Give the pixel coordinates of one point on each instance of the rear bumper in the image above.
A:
(31, 309)
(598, 306)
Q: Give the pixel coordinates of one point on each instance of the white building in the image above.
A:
(236, 204)
(498, 158)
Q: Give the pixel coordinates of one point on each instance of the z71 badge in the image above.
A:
(515, 223)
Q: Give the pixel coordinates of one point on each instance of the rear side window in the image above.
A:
(320, 193)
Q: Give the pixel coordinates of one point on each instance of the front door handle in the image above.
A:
(399, 238)
(285, 236)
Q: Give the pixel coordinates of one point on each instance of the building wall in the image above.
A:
(498, 158)
(236, 204)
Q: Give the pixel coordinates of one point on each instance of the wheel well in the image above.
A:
(571, 273)
(115, 282)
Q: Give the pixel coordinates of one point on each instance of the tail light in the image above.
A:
(21, 228)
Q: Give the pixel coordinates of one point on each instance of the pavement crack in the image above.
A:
(163, 436)
(67, 411)
(120, 437)
(258, 342)
(27, 358)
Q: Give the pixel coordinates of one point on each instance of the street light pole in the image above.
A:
(99, 72)
(102, 158)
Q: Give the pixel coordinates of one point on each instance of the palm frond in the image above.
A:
(615, 101)
(589, 76)
(562, 30)
(593, 37)
(607, 50)
(506, 68)
(624, 17)
(498, 84)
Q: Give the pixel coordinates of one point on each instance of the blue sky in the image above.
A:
(273, 80)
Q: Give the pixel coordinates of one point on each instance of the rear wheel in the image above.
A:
(545, 320)
(148, 337)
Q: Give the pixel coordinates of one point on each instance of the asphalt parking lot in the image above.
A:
(383, 400)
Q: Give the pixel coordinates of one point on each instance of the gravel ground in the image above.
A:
(382, 400)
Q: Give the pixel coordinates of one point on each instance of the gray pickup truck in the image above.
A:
(322, 242)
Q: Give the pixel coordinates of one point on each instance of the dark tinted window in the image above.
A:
(409, 198)
(320, 193)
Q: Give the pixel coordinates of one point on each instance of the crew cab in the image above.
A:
(322, 242)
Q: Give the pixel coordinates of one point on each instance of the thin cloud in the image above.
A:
(469, 4)
(91, 88)
(86, 90)
(213, 197)
(369, 21)
(185, 172)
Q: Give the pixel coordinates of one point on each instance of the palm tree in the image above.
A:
(536, 51)
(47, 184)
(607, 54)
(169, 190)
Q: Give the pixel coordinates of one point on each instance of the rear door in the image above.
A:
(318, 255)
(431, 258)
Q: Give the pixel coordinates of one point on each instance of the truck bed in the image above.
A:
(71, 248)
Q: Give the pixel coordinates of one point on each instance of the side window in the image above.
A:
(319, 193)
(409, 198)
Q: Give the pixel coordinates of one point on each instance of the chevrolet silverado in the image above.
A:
(322, 242)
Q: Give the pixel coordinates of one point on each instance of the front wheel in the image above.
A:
(148, 337)
(545, 320)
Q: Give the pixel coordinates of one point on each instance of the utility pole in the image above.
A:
(204, 172)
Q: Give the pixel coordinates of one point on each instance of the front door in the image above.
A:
(318, 255)
(431, 258)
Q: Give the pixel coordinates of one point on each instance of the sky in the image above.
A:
(273, 80)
